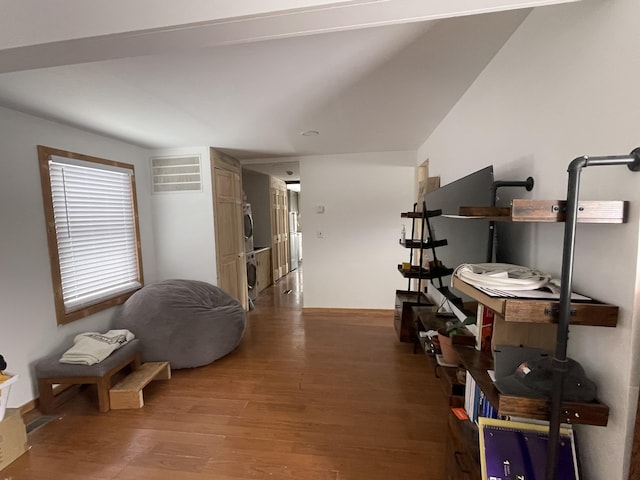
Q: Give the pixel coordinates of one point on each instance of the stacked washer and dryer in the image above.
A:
(252, 276)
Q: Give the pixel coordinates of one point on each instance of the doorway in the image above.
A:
(295, 229)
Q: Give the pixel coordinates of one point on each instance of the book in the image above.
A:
(518, 451)
(469, 389)
(460, 413)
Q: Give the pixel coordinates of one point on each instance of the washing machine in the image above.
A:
(252, 275)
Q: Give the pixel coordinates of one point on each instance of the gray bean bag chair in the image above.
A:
(185, 322)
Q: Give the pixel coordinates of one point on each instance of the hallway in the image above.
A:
(309, 396)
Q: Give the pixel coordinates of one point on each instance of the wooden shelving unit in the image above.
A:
(542, 314)
(524, 310)
(477, 363)
(537, 322)
(419, 241)
(533, 311)
(522, 210)
(422, 243)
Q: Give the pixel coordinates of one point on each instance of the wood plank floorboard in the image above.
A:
(310, 396)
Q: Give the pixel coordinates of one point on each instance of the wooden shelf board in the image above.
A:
(555, 211)
(413, 297)
(430, 213)
(477, 363)
(414, 272)
(495, 304)
(592, 313)
(418, 243)
(430, 320)
(501, 214)
(424, 274)
(521, 210)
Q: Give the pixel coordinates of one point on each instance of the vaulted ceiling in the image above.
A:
(249, 77)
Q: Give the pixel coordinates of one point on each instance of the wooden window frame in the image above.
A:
(62, 316)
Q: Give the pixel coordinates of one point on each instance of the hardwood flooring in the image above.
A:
(310, 396)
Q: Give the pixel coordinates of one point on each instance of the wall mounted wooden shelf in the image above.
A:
(477, 363)
(542, 311)
(522, 210)
(418, 214)
(430, 320)
(417, 272)
(417, 243)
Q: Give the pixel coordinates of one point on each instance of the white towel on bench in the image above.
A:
(93, 347)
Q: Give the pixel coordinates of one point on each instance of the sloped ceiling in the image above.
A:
(367, 75)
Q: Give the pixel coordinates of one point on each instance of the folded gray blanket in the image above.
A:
(93, 347)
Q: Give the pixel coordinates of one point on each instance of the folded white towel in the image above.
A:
(93, 347)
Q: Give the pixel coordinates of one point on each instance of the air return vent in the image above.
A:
(176, 174)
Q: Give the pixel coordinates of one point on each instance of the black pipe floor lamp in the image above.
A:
(560, 359)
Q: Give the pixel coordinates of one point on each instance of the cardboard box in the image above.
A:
(13, 437)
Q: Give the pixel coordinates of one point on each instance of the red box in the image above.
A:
(485, 328)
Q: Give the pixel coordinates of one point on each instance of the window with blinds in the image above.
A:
(93, 233)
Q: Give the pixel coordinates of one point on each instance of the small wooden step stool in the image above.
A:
(127, 393)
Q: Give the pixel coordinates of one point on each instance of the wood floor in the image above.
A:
(319, 396)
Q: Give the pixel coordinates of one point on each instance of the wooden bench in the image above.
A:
(128, 392)
(49, 372)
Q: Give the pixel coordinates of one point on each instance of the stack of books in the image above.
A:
(476, 403)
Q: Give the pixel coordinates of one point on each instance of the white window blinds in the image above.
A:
(95, 230)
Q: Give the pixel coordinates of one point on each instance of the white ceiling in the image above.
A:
(369, 75)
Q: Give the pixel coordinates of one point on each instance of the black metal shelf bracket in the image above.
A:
(528, 184)
(560, 359)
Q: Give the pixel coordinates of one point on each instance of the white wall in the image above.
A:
(183, 226)
(354, 264)
(564, 85)
(27, 314)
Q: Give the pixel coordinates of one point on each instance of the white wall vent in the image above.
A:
(176, 174)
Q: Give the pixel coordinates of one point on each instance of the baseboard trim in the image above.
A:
(366, 312)
(35, 403)
(29, 406)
